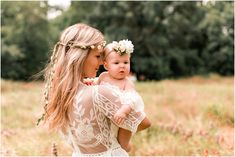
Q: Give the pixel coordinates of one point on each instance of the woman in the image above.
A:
(84, 114)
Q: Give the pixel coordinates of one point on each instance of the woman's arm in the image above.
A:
(124, 137)
(109, 101)
(145, 123)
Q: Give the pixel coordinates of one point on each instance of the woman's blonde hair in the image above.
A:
(64, 72)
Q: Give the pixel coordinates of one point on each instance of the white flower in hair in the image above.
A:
(123, 47)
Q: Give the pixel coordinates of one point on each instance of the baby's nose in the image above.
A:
(122, 65)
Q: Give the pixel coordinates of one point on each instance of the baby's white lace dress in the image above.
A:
(92, 131)
(127, 97)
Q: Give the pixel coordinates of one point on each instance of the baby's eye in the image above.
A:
(126, 62)
(115, 62)
(98, 56)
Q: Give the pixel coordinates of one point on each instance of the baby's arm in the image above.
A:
(123, 112)
(124, 137)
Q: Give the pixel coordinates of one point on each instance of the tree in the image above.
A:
(171, 39)
(24, 38)
(218, 30)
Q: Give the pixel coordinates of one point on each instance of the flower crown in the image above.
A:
(123, 47)
(72, 44)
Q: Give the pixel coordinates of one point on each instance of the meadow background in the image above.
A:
(190, 116)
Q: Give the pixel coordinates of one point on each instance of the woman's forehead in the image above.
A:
(97, 51)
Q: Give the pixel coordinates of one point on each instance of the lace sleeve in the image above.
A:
(108, 101)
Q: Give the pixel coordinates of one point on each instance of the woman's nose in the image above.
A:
(101, 62)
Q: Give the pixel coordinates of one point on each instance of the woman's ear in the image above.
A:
(105, 65)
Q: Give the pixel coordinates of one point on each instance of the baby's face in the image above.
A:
(117, 66)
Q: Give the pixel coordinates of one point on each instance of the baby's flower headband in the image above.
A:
(123, 47)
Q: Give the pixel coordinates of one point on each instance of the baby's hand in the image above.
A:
(119, 117)
(90, 81)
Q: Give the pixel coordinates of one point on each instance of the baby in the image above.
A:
(117, 63)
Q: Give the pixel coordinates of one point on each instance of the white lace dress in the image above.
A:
(92, 131)
(127, 97)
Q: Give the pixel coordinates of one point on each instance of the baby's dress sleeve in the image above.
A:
(108, 100)
(133, 99)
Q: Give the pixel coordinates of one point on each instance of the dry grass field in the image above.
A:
(190, 117)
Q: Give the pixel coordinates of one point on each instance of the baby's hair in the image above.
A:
(107, 50)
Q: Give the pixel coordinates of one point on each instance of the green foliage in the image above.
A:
(171, 39)
(218, 26)
(24, 39)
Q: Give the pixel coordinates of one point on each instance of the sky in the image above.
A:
(63, 3)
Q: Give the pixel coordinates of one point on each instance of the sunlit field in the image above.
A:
(192, 116)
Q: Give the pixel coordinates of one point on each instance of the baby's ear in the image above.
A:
(105, 65)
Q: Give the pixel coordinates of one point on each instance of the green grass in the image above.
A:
(191, 116)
